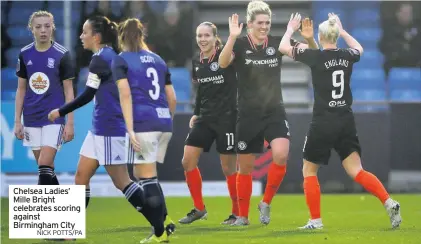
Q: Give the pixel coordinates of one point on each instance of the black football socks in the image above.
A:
(45, 175)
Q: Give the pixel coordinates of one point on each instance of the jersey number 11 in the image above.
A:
(340, 84)
(230, 139)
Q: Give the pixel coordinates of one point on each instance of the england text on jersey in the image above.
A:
(331, 72)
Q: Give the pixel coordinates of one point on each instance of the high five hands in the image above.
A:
(235, 28)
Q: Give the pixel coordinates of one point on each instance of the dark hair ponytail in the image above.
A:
(113, 35)
(107, 29)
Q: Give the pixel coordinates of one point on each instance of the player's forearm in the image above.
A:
(351, 42)
(20, 96)
(312, 43)
(172, 103)
(172, 99)
(226, 53)
(127, 109)
(69, 96)
(285, 45)
(78, 102)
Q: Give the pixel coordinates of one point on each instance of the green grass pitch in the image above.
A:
(348, 219)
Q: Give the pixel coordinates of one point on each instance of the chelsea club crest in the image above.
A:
(270, 51)
(214, 66)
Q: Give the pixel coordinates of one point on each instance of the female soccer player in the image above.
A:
(214, 119)
(333, 124)
(261, 112)
(45, 74)
(105, 143)
(148, 103)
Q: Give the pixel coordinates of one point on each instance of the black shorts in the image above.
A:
(331, 132)
(251, 131)
(205, 132)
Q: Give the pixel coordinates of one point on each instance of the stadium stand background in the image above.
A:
(389, 71)
(171, 34)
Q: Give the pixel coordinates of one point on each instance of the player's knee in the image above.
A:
(353, 171)
(228, 164)
(81, 178)
(188, 163)
(154, 201)
(45, 160)
(309, 169)
(227, 170)
(119, 184)
(246, 169)
(280, 158)
(352, 164)
(245, 163)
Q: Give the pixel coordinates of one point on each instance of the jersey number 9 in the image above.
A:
(151, 73)
(340, 84)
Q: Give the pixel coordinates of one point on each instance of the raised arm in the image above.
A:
(307, 32)
(226, 56)
(350, 41)
(293, 25)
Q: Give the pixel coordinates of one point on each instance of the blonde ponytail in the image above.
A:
(329, 30)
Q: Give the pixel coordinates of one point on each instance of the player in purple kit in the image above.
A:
(45, 74)
(105, 143)
(148, 102)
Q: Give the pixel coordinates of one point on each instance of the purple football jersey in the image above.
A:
(44, 72)
(147, 74)
(107, 115)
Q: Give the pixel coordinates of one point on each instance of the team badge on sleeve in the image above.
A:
(93, 80)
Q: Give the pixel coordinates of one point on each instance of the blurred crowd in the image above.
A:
(170, 31)
(168, 26)
(401, 40)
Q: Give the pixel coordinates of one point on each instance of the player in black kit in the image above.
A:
(333, 124)
(213, 120)
(261, 114)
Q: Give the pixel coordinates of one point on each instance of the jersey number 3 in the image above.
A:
(151, 73)
(338, 83)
